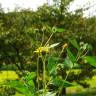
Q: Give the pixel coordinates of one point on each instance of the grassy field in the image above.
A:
(78, 90)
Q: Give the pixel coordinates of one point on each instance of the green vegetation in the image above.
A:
(49, 52)
(7, 75)
(76, 90)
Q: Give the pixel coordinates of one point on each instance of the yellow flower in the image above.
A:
(65, 45)
(42, 49)
(45, 48)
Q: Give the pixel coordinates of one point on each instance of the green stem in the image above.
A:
(44, 79)
(63, 82)
(49, 39)
(79, 55)
(38, 75)
(42, 39)
(44, 75)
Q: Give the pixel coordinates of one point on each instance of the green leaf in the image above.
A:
(59, 82)
(31, 83)
(91, 60)
(60, 30)
(19, 86)
(54, 30)
(74, 43)
(70, 55)
(23, 87)
(68, 63)
(76, 65)
(52, 64)
(30, 76)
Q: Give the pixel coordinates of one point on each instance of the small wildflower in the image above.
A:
(45, 48)
(42, 49)
(65, 45)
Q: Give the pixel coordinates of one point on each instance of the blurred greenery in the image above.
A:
(75, 90)
(22, 32)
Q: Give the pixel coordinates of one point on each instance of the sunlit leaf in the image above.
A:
(91, 60)
(19, 86)
(60, 30)
(68, 63)
(30, 76)
(52, 63)
(23, 87)
(50, 94)
(53, 45)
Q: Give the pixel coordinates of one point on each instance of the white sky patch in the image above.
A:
(34, 4)
(84, 4)
(11, 4)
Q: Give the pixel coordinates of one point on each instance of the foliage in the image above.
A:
(21, 32)
(27, 44)
(39, 83)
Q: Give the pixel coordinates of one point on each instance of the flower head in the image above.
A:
(45, 48)
(42, 49)
(65, 45)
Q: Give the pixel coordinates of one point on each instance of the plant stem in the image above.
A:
(63, 82)
(49, 39)
(44, 78)
(79, 55)
(44, 75)
(42, 39)
(38, 75)
(61, 52)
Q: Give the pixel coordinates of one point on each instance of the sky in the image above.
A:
(33, 4)
(11, 4)
(85, 4)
